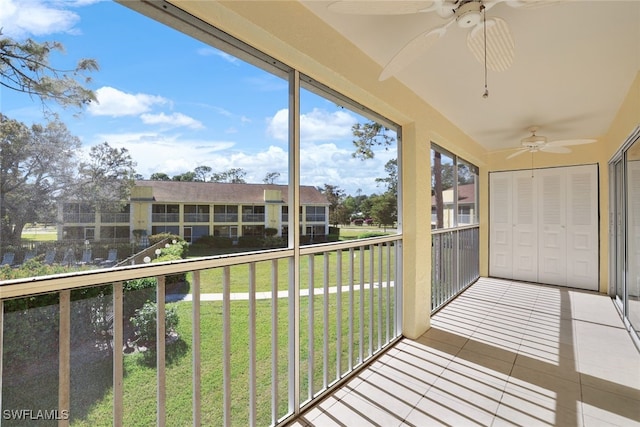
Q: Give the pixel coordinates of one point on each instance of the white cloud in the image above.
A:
(209, 51)
(173, 120)
(23, 18)
(154, 152)
(115, 103)
(317, 125)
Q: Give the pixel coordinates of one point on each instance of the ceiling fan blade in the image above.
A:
(500, 45)
(517, 153)
(566, 142)
(551, 149)
(388, 7)
(412, 50)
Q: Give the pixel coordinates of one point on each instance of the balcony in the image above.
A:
(79, 218)
(196, 217)
(502, 353)
(114, 218)
(253, 217)
(165, 217)
(225, 217)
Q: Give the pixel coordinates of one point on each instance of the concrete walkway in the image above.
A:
(237, 296)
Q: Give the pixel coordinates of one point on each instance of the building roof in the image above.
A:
(466, 195)
(217, 192)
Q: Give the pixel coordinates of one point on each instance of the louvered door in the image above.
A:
(552, 227)
(525, 227)
(544, 226)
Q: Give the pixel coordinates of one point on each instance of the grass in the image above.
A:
(211, 280)
(140, 374)
(91, 372)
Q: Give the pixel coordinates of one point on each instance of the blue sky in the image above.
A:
(176, 103)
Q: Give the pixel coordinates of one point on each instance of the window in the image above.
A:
(253, 214)
(315, 213)
(196, 213)
(225, 213)
(454, 190)
(165, 213)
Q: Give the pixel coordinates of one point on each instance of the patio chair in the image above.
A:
(50, 256)
(7, 258)
(86, 257)
(69, 257)
(29, 255)
(111, 260)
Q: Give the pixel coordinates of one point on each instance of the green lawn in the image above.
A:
(140, 375)
(211, 280)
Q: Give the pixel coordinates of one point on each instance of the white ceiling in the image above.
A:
(574, 64)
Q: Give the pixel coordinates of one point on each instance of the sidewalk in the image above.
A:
(261, 295)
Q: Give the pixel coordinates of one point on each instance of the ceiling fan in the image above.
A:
(535, 143)
(494, 47)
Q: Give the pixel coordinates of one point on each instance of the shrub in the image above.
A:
(371, 234)
(249, 241)
(215, 241)
(273, 242)
(144, 322)
(137, 293)
(270, 232)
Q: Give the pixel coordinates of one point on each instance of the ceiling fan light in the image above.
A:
(468, 15)
(534, 139)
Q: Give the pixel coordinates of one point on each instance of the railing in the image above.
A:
(225, 217)
(165, 217)
(259, 217)
(315, 217)
(455, 263)
(251, 346)
(196, 217)
(115, 217)
(78, 218)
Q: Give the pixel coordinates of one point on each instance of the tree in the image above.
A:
(202, 173)
(384, 209)
(185, 177)
(271, 177)
(369, 135)
(159, 176)
(36, 165)
(391, 181)
(335, 196)
(25, 67)
(233, 175)
(106, 178)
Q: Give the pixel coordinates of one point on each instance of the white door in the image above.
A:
(500, 262)
(552, 226)
(525, 227)
(582, 227)
(544, 226)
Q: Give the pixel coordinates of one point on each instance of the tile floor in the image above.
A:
(503, 353)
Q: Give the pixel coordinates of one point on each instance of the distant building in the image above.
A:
(195, 209)
(467, 207)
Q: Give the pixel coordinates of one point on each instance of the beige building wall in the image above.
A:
(141, 208)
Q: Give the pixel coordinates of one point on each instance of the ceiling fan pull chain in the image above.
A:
(485, 95)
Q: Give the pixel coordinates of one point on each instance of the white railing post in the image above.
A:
(64, 358)
(160, 352)
(118, 340)
(196, 357)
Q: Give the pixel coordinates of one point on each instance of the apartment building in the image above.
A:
(195, 209)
